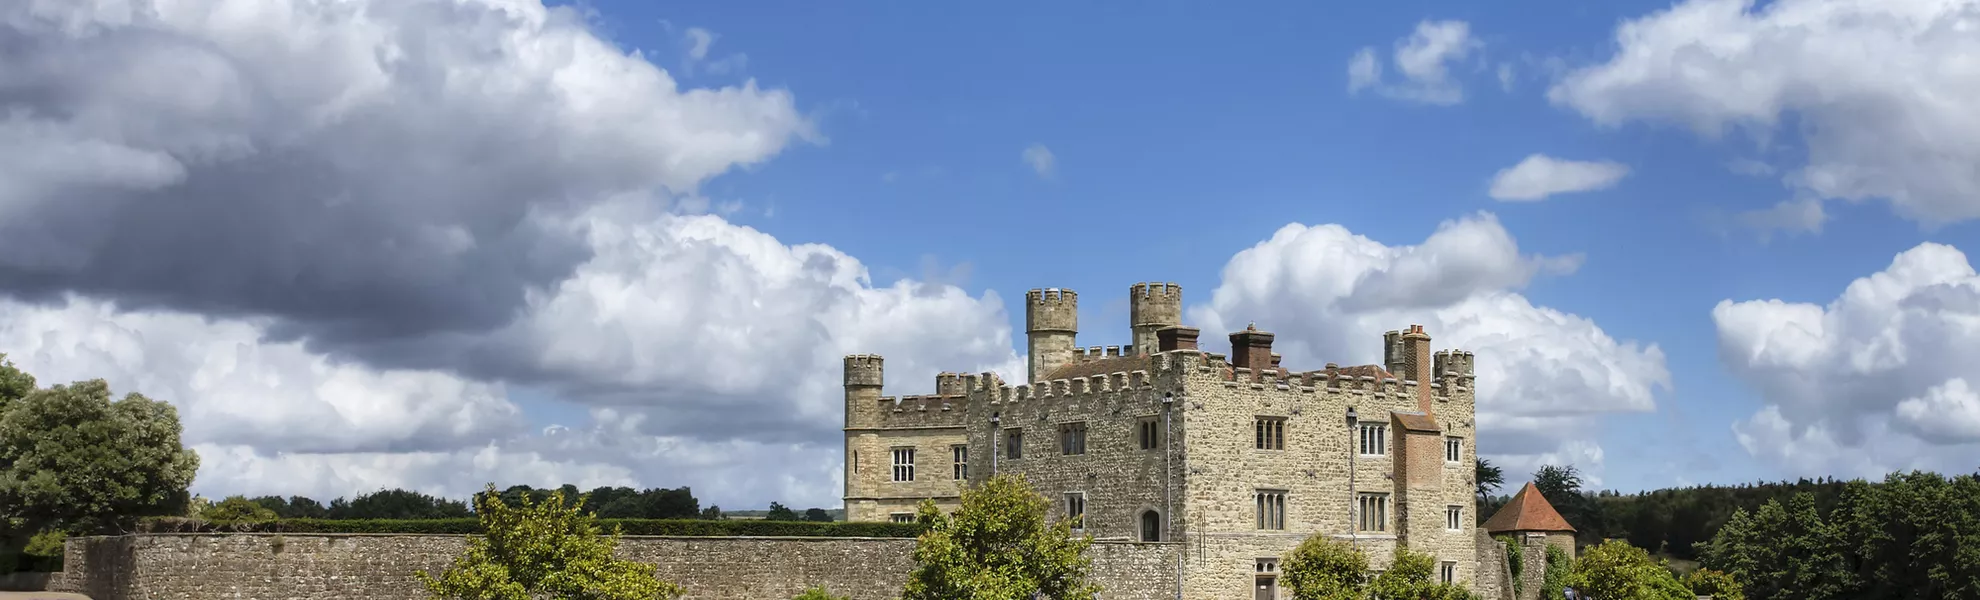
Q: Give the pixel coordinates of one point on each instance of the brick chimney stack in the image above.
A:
(1176, 338)
(1252, 349)
(1416, 365)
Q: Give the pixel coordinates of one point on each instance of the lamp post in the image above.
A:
(1354, 499)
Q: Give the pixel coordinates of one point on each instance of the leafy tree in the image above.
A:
(1555, 578)
(1717, 584)
(543, 550)
(818, 593)
(817, 515)
(1489, 478)
(404, 504)
(1325, 569)
(712, 512)
(998, 546)
(71, 455)
(779, 512)
(1408, 576)
(1615, 569)
(14, 383)
(237, 510)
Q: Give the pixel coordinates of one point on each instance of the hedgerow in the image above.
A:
(673, 527)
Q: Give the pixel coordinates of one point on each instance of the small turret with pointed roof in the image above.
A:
(1529, 513)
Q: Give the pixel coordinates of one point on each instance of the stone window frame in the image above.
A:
(1142, 522)
(1148, 432)
(959, 457)
(1269, 433)
(903, 470)
(1453, 450)
(1372, 512)
(1013, 443)
(1447, 571)
(1076, 509)
(1454, 517)
(900, 518)
(1375, 437)
(1072, 438)
(1269, 509)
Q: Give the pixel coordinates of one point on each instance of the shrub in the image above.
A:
(1717, 584)
(1408, 577)
(236, 512)
(818, 593)
(1616, 569)
(1324, 569)
(1516, 560)
(1555, 578)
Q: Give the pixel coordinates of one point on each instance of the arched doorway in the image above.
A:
(1151, 526)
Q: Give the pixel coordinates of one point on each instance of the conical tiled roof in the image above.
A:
(1528, 511)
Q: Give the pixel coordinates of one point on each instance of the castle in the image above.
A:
(1236, 458)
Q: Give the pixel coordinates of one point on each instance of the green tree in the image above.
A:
(14, 383)
(237, 510)
(1717, 584)
(818, 593)
(71, 455)
(779, 512)
(1489, 478)
(1408, 577)
(408, 504)
(1559, 568)
(543, 550)
(998, 546)
(712, 512)
(1615, 569)
(1325, 569)
(817, 515)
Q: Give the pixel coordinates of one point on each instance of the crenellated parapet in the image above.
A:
(1093, 353)
(922, 411)
(1051, 309)
(1454, 365)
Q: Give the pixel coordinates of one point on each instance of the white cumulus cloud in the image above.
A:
(1874, 381)
(1538, 176)
(1875, 89)
(1423, 60)
(1040, 159)
(1543, 374)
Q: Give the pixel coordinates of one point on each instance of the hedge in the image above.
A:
(677, 527)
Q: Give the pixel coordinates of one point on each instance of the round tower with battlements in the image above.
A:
(1151, 307)
(865, 374)
(1051, 326)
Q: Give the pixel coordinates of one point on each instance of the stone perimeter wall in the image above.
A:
(382, 567)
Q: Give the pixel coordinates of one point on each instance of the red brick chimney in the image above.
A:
(1252, 349)
(1176, 338)
(1416, 365)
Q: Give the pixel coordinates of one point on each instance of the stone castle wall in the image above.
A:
(382, 567)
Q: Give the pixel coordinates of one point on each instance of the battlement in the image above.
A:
(1076, 387)
(868, 370)
(1092, 353)
(1051, 309)
(1155, 290)
(1453, 364)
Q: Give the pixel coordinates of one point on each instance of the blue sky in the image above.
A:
(623, 242)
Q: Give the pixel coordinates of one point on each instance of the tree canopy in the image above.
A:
(543, 550)
(998, 546)
(71, 455)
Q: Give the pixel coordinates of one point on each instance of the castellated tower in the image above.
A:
(865, 374)
(1151, 307)
(1051, 324)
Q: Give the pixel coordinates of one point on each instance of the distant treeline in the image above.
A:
(603, 502)
(1679, 522)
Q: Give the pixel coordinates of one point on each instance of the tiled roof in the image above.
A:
(1099, 367)
(1416, 421)
(1528, 511)
(1375, 371)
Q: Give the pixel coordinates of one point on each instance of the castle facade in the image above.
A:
(1234, 457)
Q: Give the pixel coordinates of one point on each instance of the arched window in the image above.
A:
(1151, 526)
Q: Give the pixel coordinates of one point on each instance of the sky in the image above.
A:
(433, 244)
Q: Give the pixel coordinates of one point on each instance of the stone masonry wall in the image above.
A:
(1118, 480)
(382, 567)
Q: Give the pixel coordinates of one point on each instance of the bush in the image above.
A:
(1409, 575)
(236, 512)
(669, 527)
(1555, 578)
(1616, 569)
(1516, 560)
(818, 593)
(1324, 569)
(1719, 585)
(547, 550)
(998, 545)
